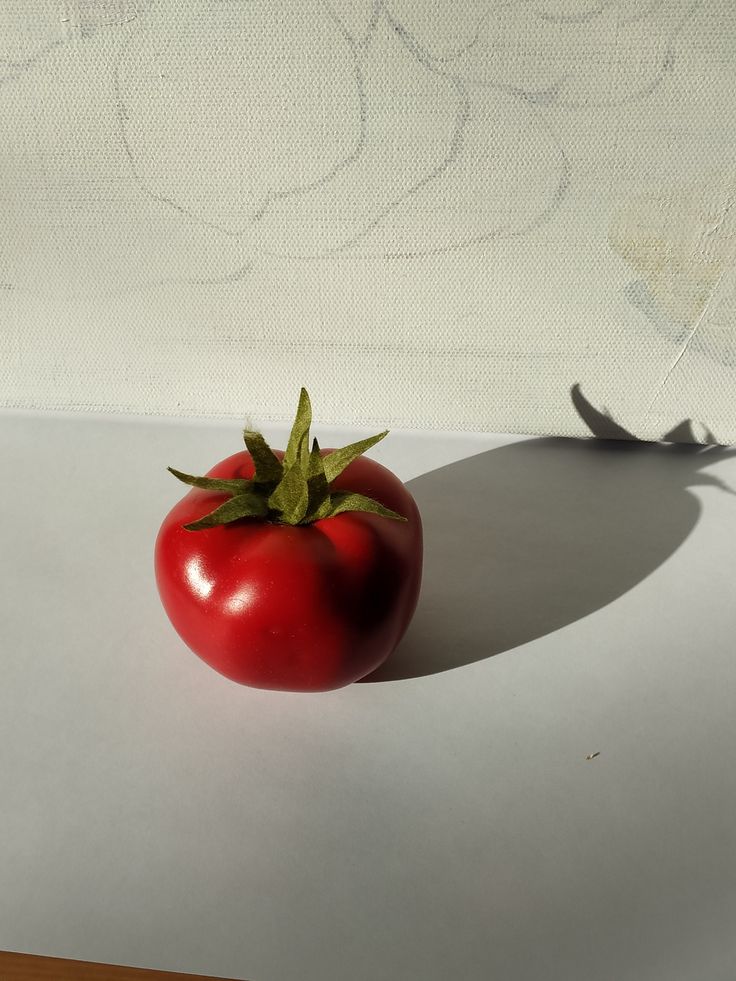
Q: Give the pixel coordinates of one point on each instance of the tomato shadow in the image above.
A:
(530, 537)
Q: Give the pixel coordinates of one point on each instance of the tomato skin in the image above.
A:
(293, 608)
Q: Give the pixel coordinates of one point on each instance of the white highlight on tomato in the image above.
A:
(240, 600)
(197, 578)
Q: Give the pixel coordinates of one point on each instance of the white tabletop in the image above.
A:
(443, 820)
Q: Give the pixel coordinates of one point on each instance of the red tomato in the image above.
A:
(293, 607)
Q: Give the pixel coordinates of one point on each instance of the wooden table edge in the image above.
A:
(32, 967)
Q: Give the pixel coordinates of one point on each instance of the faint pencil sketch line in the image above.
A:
(427, 58)
(18, 68)
(536, 221)
(434, 64)
(456, 143)
(375, 15)
(373, 22)
(28, 62)
(123, 118)
(271, 196)
(420, 54)
(686, 344)
(667, 64)
(463, 112)
(653, 7)
(589, 15)
(362, 124)
(572, 18)
(541, 97)
(462, 119)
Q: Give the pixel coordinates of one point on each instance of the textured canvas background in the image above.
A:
(433, 214)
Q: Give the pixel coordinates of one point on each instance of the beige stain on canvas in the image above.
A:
(681, 242)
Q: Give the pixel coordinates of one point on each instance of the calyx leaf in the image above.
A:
(317, 485)
(247, 505)
(293, 491)
(350, 501)
(299, 436)
(338, 460)
(269, 469)
(291, 497)
(235, 486)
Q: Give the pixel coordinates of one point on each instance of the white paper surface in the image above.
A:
(446, 825)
